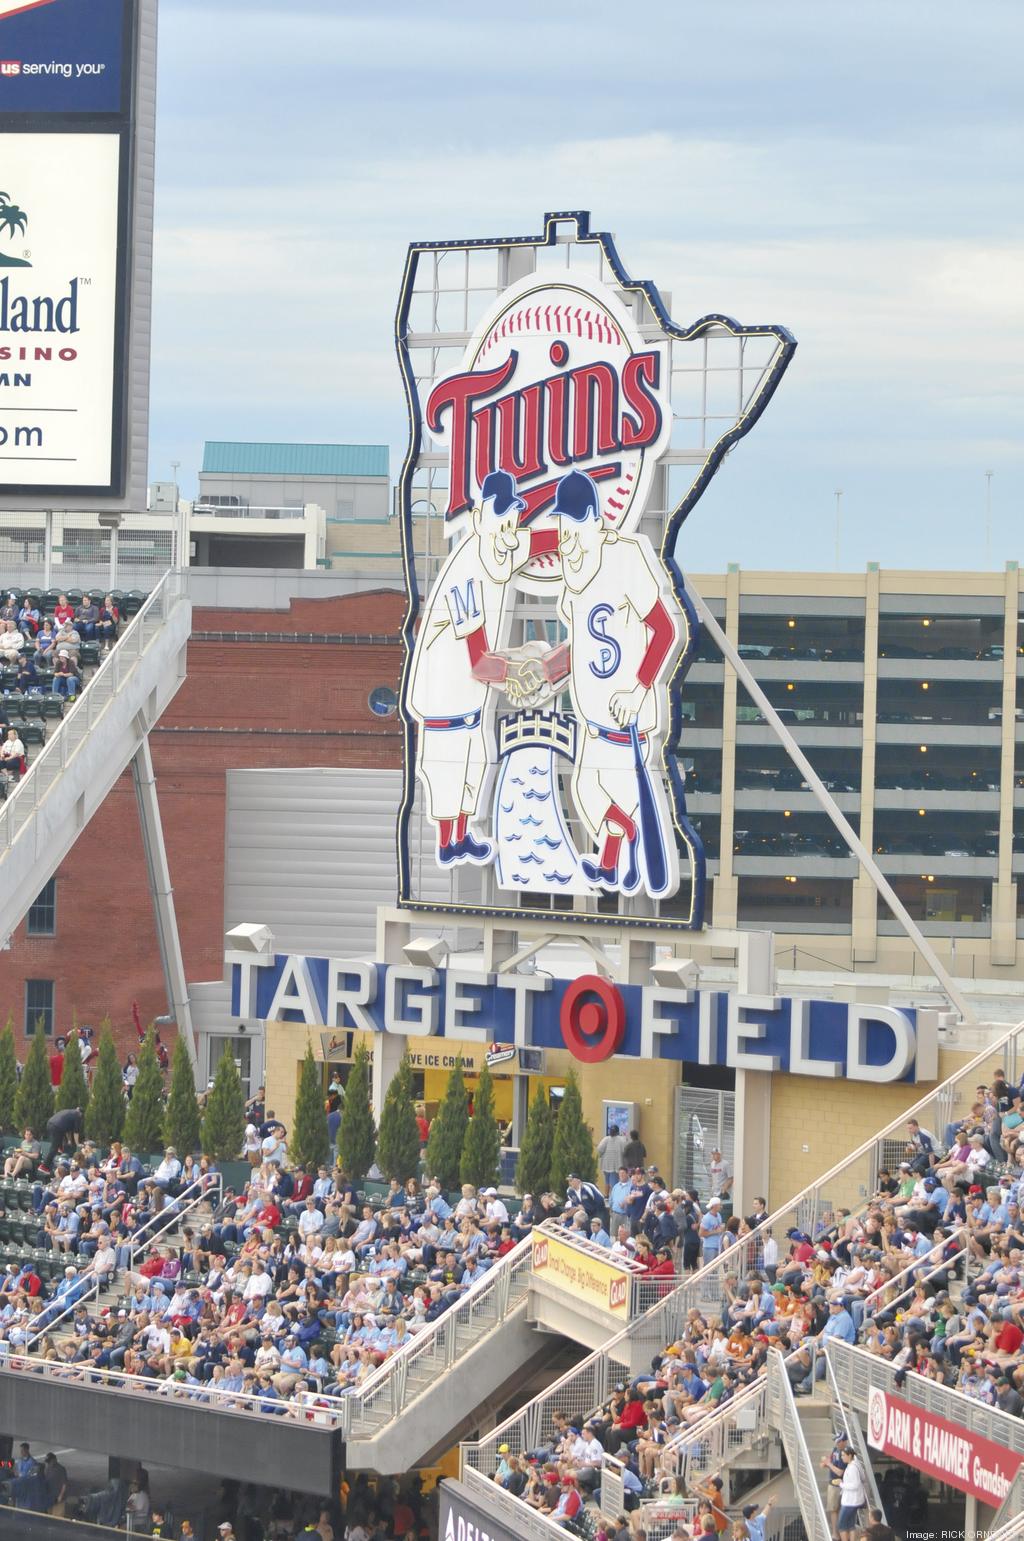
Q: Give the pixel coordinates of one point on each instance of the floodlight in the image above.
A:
(679, 973)
(426, 951)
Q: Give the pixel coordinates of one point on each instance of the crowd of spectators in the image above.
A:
(928, 1275)
(46, 644)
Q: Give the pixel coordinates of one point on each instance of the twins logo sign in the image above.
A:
(543, 663)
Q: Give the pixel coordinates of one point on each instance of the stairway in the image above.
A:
(92, 745)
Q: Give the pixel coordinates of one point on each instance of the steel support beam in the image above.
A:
(162, 894)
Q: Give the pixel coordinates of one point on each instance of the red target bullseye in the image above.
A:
(592, 1029)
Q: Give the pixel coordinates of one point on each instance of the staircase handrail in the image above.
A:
(786, 1418)
(104, 685)
(206, 1185)
(813, 1192)
(872, 1301)
(503, 1285)
(167, 1216)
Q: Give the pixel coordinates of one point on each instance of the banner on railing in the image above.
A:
(945, 1450)
(604, 1285)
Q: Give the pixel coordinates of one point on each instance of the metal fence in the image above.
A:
(63, 550)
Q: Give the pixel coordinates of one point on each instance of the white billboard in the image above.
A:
(60, 393)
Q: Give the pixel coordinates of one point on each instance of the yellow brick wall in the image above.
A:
(832, 1118)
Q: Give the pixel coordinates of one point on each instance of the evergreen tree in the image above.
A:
(8, 1076)
(73, 1091)
(572, 1150)
(33, 1106)
(310, 1142)
(144, 1120)
(224, 1121)
(481, 1149)
(182, 1119)
(357, 1132)
(448, 1131)
(104, 1117)
(398, 1148)
(533, 1171)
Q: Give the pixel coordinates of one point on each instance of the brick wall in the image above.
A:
(244, 704)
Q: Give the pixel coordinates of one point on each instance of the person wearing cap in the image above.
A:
(834, 1465)
(711, 1230)
(570, 1501)
(495, 1212)
(587, 1194)
(66, 674)
(226, 1531)
(754, 1519)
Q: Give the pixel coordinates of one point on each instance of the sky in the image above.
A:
(852, 172)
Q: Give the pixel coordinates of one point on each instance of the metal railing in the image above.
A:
(74, 728)
(436, 1348)
(525, 1522)
(880, 1299)
(856, 1372)
(208, 1394)
(854, 1178)
(249, 511)
(171, 1218)
(784, 1417)
(357, 1413)
(644, 1291)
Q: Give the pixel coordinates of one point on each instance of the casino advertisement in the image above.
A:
(63, 56)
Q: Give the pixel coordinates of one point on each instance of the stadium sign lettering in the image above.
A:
(943, 1449)
(593, 1017)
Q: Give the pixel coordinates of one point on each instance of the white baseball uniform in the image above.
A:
(449, 703)
(608, 642)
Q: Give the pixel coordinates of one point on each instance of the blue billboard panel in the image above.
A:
(62, 56)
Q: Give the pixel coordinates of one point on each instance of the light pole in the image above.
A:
(988, 519)
(839, 521)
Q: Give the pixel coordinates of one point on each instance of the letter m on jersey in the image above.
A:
(464, 603)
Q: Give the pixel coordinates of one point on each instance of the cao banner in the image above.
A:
(58, 308)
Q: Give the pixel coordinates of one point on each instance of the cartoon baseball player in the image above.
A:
(625, 630)
(458, 659)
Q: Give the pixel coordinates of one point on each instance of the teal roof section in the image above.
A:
(223, 457)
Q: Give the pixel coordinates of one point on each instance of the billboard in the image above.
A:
(947, 1451)
(76, 183)
(63, 56)
(603, 1284)
(59, 389)
(561, 428)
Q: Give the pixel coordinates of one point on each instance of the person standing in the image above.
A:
(852, 1495)
(635, 1153)
(610, 1155)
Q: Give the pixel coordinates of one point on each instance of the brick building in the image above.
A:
(265, 687)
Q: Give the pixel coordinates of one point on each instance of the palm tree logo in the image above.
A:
(14, 221)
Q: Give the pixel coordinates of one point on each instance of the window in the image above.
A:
(42, 915)
(382, 701)
(38, 1005)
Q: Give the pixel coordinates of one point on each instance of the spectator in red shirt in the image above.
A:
(57, 1063)
(624, 1429)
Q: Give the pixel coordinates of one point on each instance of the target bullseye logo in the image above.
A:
(592, 1019)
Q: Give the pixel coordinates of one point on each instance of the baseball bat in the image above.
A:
(652, 842)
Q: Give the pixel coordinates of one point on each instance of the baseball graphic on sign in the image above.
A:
(546, 649)
(876, 1418)
(557, 376)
